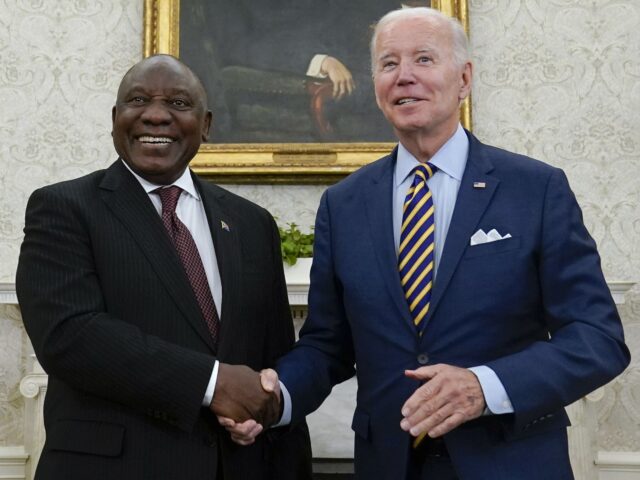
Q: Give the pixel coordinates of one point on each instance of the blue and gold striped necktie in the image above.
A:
(417, 246)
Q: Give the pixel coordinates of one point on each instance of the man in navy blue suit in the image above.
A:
(520, 321)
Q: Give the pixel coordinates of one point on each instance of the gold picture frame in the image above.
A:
(292, 163)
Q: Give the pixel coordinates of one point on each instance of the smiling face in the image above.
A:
(418, 83)
(160, 118)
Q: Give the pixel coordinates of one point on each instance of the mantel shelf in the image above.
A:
(298, 290)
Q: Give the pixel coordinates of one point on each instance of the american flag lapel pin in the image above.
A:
(479, 185)
(224, 225)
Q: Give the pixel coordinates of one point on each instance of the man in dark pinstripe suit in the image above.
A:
(135, 378)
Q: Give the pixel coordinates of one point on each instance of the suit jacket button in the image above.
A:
(423, 359)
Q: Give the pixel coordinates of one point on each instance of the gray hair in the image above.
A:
(460, 45)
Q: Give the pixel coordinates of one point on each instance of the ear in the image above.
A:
(113, 118)
(206, 125)
(465, 81)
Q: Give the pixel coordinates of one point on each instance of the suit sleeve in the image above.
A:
(324, 355)
(77, 340)
(586, 346)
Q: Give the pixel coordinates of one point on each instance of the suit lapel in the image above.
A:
(227, 249)
(470, 206)
(128, 201)
(378, 199)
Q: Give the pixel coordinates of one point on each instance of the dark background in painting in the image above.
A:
(253, 56)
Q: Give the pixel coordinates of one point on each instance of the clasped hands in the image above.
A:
(246, 402)
(448, 397)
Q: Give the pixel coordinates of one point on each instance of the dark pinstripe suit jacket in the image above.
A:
(114, 322)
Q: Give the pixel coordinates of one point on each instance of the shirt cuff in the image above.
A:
(211, 388)
(286, 411)
(495, 395)
(315, 66)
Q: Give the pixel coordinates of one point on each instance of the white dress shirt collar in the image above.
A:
(451, 158)
(185, 182)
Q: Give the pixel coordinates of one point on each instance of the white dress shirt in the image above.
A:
(190, 211)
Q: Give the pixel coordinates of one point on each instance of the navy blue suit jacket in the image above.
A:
(535, 308)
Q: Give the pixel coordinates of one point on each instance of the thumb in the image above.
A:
(269, 379)
(225, 422)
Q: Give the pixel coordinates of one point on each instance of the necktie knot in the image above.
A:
(424, 172)
(169, 197)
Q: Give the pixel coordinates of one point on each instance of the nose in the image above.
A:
(405, 73)
(156, 113)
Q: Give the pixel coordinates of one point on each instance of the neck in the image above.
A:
(424, 145)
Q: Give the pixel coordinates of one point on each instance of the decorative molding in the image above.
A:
(618, 289)
(298, 294)
(298, 288)
(13, 461)
(618, 460)
(617, 465)
(8, 295)
(32, 385)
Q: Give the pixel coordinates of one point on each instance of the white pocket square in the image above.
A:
(493, 236)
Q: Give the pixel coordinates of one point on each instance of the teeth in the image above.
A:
(150, 139)
(403, 101)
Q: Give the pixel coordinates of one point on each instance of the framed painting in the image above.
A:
(288, 82)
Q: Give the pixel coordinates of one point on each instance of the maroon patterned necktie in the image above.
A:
(188, 253)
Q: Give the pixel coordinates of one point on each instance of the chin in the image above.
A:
(409, 127)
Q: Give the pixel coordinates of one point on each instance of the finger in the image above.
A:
(257, 430)
(430, 424)
(344, 86)
(248, 437)
(428, 414)
(269, 379)
(226, 422)
(421, 398)
(350, 86)
(336, 90)
(244, 428)
(448, 424)
(422, 373)
(247, 430)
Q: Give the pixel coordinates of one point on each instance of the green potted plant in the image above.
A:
(294, 244)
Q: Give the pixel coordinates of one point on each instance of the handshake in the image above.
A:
(246, 401)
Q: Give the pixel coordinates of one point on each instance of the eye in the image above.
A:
(388, 65)
(424, 59)
(180, 102)
(137, 99)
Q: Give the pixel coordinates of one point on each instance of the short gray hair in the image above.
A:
(460, 45)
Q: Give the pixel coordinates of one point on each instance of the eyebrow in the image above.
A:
(140, 88)
(427, 50)
(385, 56)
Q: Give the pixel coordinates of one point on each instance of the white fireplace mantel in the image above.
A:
(298, 288)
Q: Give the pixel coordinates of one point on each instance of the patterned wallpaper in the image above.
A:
(555, 79)
(559, 80)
